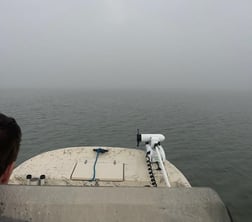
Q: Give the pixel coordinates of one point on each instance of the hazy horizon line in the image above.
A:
(126, 89)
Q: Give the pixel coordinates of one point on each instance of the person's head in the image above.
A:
(10, 138)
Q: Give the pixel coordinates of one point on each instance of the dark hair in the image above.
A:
(10, 138)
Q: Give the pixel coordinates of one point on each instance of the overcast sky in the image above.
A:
(126, 44)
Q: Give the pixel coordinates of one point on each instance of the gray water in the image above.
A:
(208, 134)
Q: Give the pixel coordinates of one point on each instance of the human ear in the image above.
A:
(7, 173)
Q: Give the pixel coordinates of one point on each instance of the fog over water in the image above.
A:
(126, 44)
(199, 50)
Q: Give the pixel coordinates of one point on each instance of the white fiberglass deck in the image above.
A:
(74, 166)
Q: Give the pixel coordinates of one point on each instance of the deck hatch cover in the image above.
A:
(105, 171)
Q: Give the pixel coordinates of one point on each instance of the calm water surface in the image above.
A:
(208, 134)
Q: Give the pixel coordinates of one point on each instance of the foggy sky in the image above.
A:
(126, 44)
